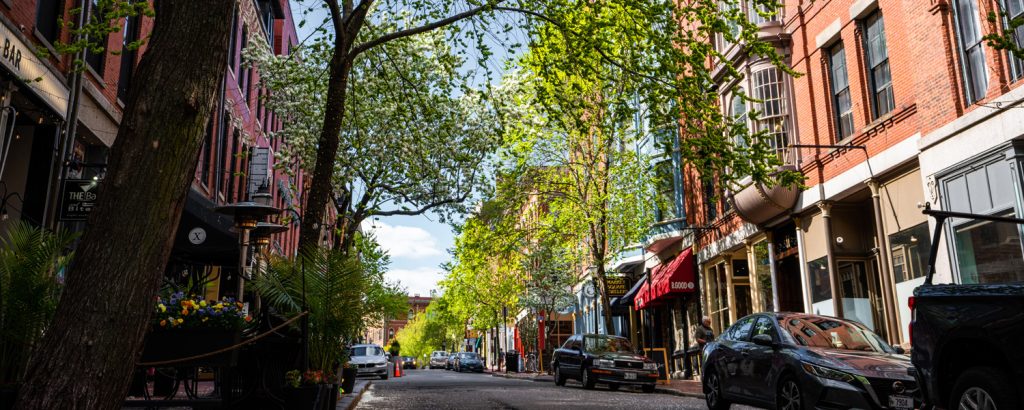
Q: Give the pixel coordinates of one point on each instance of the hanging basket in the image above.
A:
(164, 345)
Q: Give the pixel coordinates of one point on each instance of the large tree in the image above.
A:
(89, 351)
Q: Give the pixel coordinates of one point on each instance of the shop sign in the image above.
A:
(78, 197)
(682, 285)
(616, 287)
(18, 58)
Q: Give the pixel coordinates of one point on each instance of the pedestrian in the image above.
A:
(701, 336)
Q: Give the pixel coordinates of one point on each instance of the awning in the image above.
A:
(627, 299)
(674, 277)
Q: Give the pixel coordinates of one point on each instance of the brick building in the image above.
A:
(383, 333)
(899, 103)
(47, 156)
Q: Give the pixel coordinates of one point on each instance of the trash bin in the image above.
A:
(512, 361)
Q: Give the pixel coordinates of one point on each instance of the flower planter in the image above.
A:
(313, 397)
(348, 379)
(163, 345)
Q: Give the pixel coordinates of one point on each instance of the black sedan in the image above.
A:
(468, 361)
(408, 362)
(603, 359)
(801, 361)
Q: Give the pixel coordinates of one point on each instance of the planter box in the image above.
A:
(348, 379)
(164, 345)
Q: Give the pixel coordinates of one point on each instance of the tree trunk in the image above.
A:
(606, 305)
(327, 148)
(87, 356)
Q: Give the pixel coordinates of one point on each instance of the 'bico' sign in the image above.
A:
(77, 198)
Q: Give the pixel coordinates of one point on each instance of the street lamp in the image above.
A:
(247, 217)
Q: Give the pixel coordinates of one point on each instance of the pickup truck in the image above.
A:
(968, 339)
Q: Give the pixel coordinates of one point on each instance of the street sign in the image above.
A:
(617, 287)
(77, 198)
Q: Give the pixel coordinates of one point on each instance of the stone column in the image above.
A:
(892, 319)
(833, 275)
(773, 270)
(755, 288)
(730, 292)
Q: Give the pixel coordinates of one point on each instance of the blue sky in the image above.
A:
(418, 245)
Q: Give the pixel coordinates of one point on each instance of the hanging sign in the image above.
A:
(77, 198)
(617, 287)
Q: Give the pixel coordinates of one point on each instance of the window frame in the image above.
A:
(1016, 63)
(839, 50)
(971, 95)
(871, 66)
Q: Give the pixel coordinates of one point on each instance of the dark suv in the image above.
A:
(966, 337)
(604, 359)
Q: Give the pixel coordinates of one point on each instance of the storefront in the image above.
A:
(665, 303)
(31, 117)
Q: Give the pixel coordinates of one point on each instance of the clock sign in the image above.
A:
(197, 236)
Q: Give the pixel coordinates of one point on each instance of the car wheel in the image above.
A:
(647, 388)
(790, 395)
(587, 379)
(559, 377)
(713, 392)
(983, 388)
(613, 386)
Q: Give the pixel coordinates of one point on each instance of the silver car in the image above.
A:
(369, 360)
(438, 359)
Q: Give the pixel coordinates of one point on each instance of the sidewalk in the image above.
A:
(688, 388)
(349, 401)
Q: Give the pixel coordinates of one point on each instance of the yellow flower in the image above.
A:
(203, 303)
(162, 307)
(219, 306)
(180, 321)
(205, 319)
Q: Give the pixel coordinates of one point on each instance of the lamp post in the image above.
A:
(261, 238)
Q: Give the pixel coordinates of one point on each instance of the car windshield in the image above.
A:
(605, 344)
(440, 354)
(832, 333)
(467, 355)
(367, 351)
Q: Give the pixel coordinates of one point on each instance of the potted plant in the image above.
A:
(32, 260)
(306, 390)
(348, 376)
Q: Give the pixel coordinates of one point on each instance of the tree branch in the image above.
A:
(425, 208)
(421, 29)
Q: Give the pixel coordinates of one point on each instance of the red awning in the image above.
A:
(674, 277)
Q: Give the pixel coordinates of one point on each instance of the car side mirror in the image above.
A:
(763, 340)
(899, 349)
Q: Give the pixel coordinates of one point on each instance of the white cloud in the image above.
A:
(417, 280)
(404, 241)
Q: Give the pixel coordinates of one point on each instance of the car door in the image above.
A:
(731, 343)
(757, 361)
(573, 357)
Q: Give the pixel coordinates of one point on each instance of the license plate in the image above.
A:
(901, 402)
(630, 376)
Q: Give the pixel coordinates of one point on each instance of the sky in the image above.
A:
(417, 245)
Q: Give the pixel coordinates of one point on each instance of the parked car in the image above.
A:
(408, 362)
(965, 338)
(468, 361)
(449, 363)
(603, 359)
(804, 361)
(438, 359)
(369, 360)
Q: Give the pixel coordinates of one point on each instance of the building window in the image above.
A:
(972, 51)
(738, 111)
(1015, 10)
(761, 14)
(882, 99)
(728, 37)
(710, 206)
(233, 44)
(910, 249)
(204, 160)
(96, 59)
(821, 287)
(770, 91)
(841, 101)
(246, 75)
(665, 206)
(130, 35)
(233, 166)
(48, 15)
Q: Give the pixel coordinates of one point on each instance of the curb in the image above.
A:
(673, 392)
(540, 379)
(355, 400)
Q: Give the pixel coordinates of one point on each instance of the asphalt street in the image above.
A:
(441, 389)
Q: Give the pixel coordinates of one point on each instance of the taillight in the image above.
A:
(913, 316)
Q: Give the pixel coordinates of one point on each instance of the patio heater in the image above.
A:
(247, 217)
